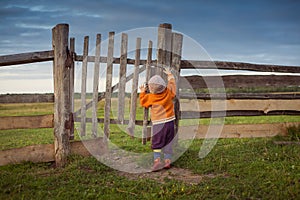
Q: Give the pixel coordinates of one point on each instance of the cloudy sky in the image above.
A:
(253, 31)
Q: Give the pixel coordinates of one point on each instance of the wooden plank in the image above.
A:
(116, 60)
(236, 130)
(145, 131)
(83, 86)
(122, 77)
(240, 104)
(95, 86)
(234, 113)
(24, 122)
(24, 58)
(192, 64)
(72, 81)
(249, 96)
(112, 121)
(164, 48)
(62, 109)
(177, 40)
(34, 153)
(72, 72)
(45, 152)
(196, 64)
(108, 90)
(240, 81)
(26, 98)
(134, 95)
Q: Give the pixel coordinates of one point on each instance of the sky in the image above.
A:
(256, 31)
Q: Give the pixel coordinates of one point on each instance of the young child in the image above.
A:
(160, 99)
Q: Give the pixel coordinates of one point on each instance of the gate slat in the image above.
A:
(95, 86)
(122, 77)
(108, 89)
(135, 81)
(72, 79)
(83, 85)
(146, 110)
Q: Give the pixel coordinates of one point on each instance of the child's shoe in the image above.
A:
(167, 164)
(156, 165)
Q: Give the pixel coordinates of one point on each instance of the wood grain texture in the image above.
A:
(26, 98)
(45, 152)
(24, 58)
(26, 122)
(235, 130)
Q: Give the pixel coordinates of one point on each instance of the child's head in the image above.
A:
(156, 84)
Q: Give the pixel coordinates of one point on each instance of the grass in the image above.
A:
(234, 169)
(253, 168)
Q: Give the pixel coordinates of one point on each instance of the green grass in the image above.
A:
(234, 169)
(253, 168)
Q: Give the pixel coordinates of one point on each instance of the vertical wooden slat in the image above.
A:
(122, 78)
(72, 79)
(164, 48)
(108, 89)
(146, 110)
(62, 108)
(177, 40)
(83, 86)
(95, 86)
(135, 81)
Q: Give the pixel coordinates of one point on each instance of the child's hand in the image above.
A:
(167, 71)
(142, 88)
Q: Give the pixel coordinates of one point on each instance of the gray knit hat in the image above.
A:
(159, 82)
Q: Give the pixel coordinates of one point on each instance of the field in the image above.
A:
(254, 168)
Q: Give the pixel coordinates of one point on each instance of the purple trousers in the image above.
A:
(162, 136)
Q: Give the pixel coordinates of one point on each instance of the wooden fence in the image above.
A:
(169, 49)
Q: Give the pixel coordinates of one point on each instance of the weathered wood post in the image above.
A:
(108, 90)
(72, 81)
(134, 95)
(177, 40)
(122, 78)
(164, 48)
(146, 110)
(62, 105)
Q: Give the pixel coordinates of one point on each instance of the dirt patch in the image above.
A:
(174, 173)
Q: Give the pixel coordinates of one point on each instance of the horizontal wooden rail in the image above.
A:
(45, 152)
(26, 122)
(239, 81)
(26, 98)
(112, 121)
(247, 96)
(235, 130)
(265, 105)
(24, 58)
(41, 56)
(194, 64)
(234, 113)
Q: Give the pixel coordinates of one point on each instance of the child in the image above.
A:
(160, 99)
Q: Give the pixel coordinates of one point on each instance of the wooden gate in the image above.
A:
(169, 48)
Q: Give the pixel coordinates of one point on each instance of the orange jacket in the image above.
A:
(162, 107)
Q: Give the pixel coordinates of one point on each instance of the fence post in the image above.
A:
(177, 40)
(164, 48)
(62, 105)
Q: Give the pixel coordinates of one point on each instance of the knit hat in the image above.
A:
(157, 83)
